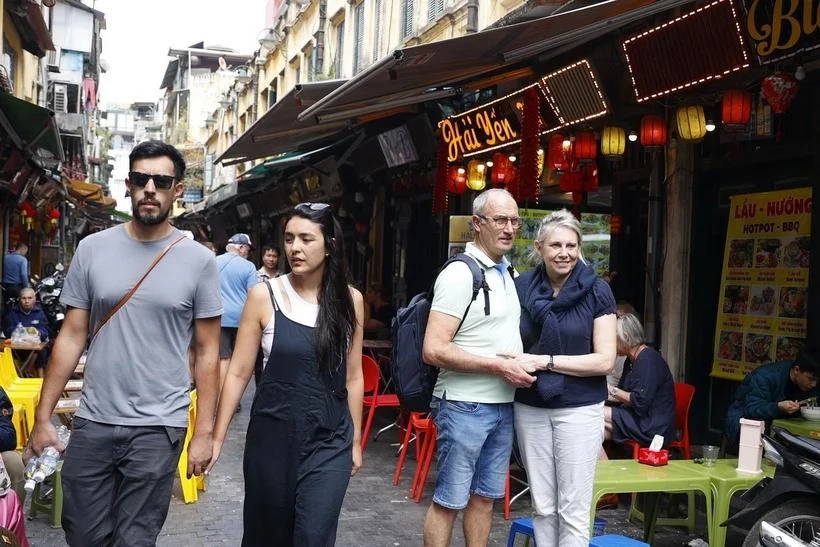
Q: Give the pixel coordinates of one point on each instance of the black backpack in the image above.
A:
(414, 379)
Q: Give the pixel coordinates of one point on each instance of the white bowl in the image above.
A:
(811, 413)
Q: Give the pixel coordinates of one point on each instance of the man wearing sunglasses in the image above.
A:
(130, 427)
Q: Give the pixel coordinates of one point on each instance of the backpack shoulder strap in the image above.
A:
(479, 280)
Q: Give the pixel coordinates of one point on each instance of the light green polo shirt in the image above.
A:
(479, 334)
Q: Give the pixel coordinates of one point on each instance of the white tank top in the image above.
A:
(301, 311)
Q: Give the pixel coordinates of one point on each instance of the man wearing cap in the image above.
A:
(773, 390)
(237, 274)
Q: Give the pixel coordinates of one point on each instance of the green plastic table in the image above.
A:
(627, 476)
(725, 480)
(799, 426)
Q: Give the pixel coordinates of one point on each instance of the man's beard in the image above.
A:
(147, 219)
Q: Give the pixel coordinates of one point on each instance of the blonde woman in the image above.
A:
(568, 322)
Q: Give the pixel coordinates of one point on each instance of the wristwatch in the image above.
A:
(551, 363)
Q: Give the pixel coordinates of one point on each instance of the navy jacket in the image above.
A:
(758, 395)
(35, 318)
(8, 435)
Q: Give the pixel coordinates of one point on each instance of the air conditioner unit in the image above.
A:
(60, 99)
(53, 60)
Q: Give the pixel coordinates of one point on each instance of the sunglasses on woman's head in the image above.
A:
(140, 180)
(314, 206)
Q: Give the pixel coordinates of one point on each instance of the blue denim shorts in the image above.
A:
(474, 444)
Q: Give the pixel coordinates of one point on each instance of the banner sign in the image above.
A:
(782, 29)
(763, 291)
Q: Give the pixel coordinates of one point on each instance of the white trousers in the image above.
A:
(560, 450)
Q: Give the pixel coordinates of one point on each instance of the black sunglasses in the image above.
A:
(314, 206)
(162, 182)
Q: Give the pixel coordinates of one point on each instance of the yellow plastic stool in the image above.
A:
(190, 487)
(20, 422)
(27, 400)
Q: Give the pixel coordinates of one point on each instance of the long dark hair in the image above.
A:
(337, 316)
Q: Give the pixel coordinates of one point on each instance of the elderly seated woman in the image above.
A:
(644, 400)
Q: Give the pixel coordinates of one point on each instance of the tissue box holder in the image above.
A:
(649, 457)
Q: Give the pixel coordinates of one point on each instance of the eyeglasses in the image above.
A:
(162, 182)
(314, 206)
(501, 222)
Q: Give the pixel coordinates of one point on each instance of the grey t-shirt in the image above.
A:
(136, 370)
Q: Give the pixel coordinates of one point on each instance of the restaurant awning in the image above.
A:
(284, 161)
(420, 73)
(33, 129)
(278, 129)
(91, 195)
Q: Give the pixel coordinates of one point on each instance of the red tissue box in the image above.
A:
(661, 457)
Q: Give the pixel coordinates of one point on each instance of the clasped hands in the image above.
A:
(518, 369)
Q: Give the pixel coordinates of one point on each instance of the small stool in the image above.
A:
(54, 506)
(614, 540)
(523, 527)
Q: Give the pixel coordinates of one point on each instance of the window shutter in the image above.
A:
(434, 9)
(358, 46)
(377, 31)
(407, 18)
(340, 41)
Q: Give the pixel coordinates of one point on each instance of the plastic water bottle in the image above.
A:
(38, 468)
(19, 332)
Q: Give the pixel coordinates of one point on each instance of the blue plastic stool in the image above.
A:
(523, 527)
(614, 540)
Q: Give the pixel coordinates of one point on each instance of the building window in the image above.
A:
(378, 8)
(340, 42)
(407, 18)
(10, 62)
(307, 64)
(434, 9)
(358, 45)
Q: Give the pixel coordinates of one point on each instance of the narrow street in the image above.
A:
(375, 512)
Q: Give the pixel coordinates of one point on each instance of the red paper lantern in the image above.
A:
(458, 180)
(653, 131)
(53, 216)
(779, 90)
(502, 170)
(736, 111)
(584, 148)
(559, 154)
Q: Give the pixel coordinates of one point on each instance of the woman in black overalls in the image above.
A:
(303, 440)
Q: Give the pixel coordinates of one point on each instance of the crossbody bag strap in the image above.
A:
(127, 296)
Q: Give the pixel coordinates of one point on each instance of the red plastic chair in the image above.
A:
(372, 398)
(426, 434)
(684, 394)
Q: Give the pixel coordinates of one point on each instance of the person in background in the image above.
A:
(773, 390)
(15, 271)
(378, 311)
(304, 438)
(472, 399)
(614, 377)
(270, 263)
(12, 459)
(644, 400)
(237, 275)
(128, 434)
(29, 313)
(568, 322)
(26, 312)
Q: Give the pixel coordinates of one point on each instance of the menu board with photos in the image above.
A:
(594, 227)
(762, 310)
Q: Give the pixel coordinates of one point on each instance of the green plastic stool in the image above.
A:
(53, 506)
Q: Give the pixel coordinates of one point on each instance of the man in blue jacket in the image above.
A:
(773, 391)
(27, 313)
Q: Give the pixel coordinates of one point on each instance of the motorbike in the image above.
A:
(48, 291)
(790, 501)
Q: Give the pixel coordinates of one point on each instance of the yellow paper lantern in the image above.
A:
(613, 141)
(691, 122)
(476, 175)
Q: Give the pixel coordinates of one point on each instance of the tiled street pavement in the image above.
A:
(375, 512)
